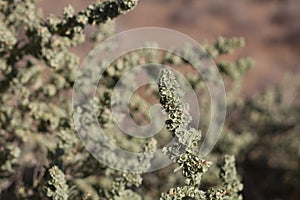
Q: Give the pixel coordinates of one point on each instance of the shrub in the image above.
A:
(40, 154)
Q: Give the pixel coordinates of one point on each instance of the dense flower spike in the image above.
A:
(57, 188)
(193, 167)
(171, 100)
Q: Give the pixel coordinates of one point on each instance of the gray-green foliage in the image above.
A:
(35, 116)
(231, 183)
(40, 154)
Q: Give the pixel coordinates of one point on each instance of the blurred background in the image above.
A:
(271, 29)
